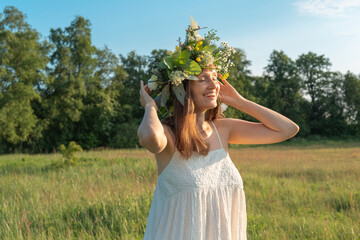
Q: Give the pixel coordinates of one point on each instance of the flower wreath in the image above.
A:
(188, 60)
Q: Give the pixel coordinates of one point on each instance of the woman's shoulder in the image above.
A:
(222, 124)
(221, 121)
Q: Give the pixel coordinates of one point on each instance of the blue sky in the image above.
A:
(329, 27)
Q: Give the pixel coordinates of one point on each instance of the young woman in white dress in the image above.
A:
(199, 192)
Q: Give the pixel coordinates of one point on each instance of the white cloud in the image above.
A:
(327, 8)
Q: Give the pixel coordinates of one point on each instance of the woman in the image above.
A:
(199, 192)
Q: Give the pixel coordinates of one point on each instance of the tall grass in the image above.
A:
(292, 192)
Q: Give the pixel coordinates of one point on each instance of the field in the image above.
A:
(297, 191)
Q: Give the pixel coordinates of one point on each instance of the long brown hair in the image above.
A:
(188, 137)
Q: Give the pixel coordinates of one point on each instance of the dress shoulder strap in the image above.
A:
(217, 134)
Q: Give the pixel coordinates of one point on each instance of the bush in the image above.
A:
(68, 154)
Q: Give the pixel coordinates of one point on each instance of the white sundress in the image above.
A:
(201, 198)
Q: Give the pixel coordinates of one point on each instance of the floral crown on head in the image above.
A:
(188, 60)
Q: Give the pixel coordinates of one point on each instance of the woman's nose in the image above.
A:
(212, 83)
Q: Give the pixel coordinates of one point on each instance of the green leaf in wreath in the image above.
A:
(176, 55)
(184, 56)
(191, 77)
(210, 48)
(206, 42)
(157, 100)
(162, 65)
(165, 93)
(179, 92)
(191, 67)
(168, 62)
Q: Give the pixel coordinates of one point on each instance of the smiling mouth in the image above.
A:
(210, 95)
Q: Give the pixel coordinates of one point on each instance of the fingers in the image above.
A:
(144, 94)
(141, 87)
(223, 80)
(147, 89)
(144, 88)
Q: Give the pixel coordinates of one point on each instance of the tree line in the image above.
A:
(62, 88)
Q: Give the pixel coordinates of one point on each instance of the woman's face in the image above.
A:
(205, 91)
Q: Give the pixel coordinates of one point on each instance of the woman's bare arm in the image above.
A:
(273, 126)
(151, 133)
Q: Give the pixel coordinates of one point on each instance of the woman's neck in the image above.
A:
(201, 123)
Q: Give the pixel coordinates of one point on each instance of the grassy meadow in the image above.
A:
(296, 191)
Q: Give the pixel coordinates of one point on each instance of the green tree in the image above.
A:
(68, 154)
(131, 112)
(23, 59)
(137, 68)
(325, 113)
(101, 109)
(260, 85)
(315, 73)
(352, 100)
(334, 123)
(283, 91)
(155, 57)
(71, 74)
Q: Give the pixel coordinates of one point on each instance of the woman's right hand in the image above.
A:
(145, 98)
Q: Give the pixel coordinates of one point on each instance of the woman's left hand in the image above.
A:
(228, 94)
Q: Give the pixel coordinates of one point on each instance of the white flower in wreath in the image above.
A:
(152, 84)
(177, 77)
(207, 59)
(223, 107)
(198, 38)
